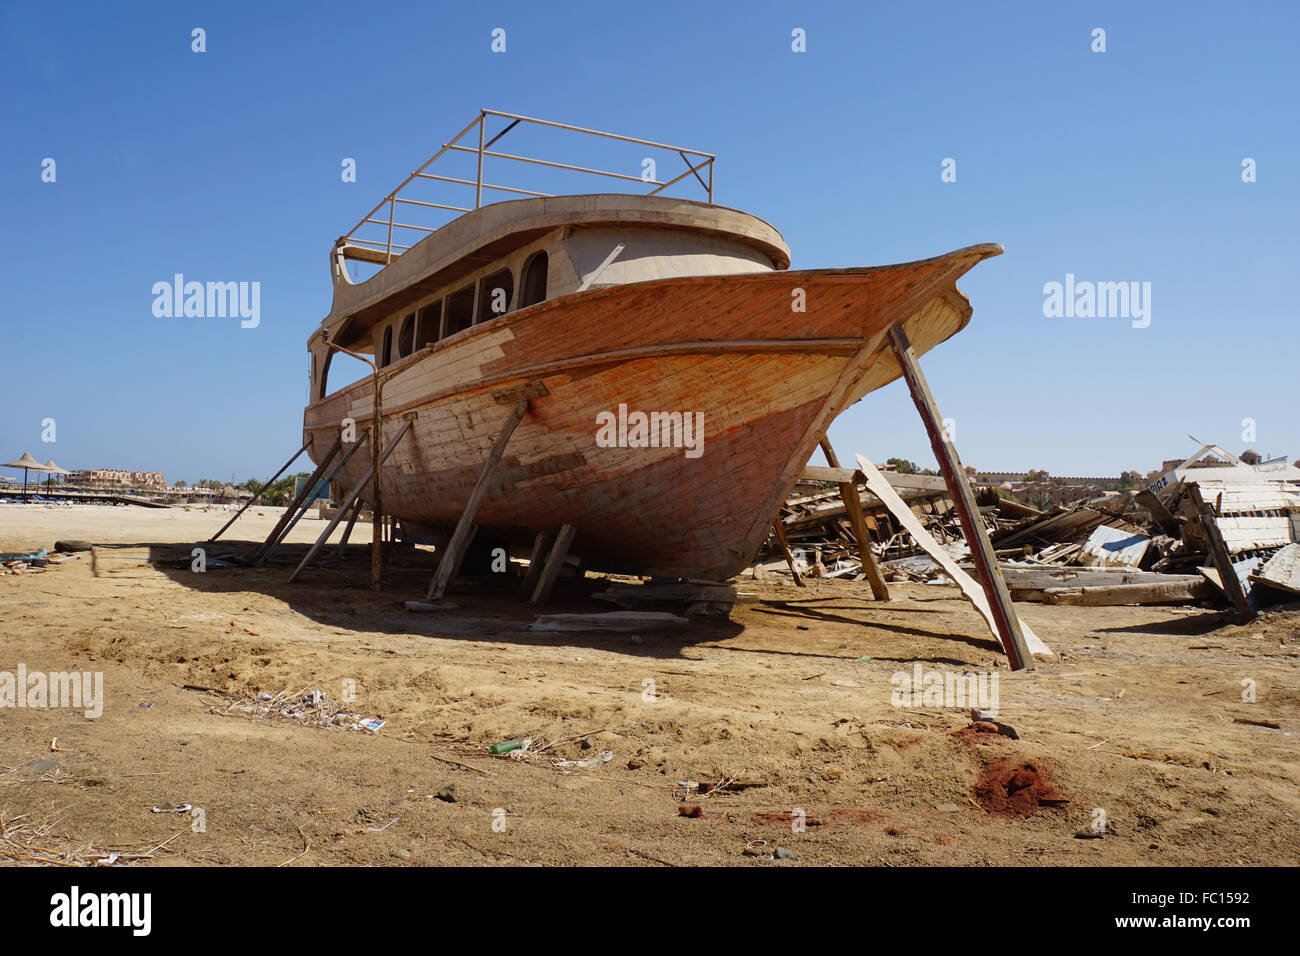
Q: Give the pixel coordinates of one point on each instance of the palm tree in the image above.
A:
(1041, 500)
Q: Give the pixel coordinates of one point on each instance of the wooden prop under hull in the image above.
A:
(766, 378)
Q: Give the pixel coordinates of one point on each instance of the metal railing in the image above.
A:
(382, 252)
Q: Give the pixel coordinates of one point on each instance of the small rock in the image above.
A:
(984, 717)
(694, 812)
(587, 742)
(448, 794)
(401, 853)
(1090, 834)
(781, 853)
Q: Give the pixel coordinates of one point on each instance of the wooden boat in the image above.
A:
(600, 309)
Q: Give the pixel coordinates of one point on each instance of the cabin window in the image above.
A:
(386, 353)
(460, 310)
(429, 327)
(406, 338)
(494, 293)
(533, 286)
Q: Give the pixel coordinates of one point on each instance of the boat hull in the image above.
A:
(733, 352)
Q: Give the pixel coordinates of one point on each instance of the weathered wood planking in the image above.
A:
(767, 379)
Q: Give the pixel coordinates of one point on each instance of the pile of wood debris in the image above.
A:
(31, 562)
(1212, 529)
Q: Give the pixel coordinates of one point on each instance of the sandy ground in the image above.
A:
(1135, 719)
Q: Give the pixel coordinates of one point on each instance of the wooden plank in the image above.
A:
(1282, 570)
(1162, 516)
(1114, 547)
(835, 473)
(450, 562)
(1030, 578)
(554, 561)
(1219, 552)
(995, 588)
(430, 606)
(347, 529)
(1250, 533)
(785, 550)
(849, 495)
(509, 396)
(619, 622)
(898, 479)
(677, 592)
(540, 545)
(969, 587)
(1177, 592)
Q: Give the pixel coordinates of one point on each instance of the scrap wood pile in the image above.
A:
(310, 708)
(25, 841)
(817, 526)
(1213, 529)
(32, 562)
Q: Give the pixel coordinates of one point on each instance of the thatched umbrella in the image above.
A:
(26, 463)
(54, 469)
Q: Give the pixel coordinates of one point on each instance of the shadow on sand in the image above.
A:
(334, 591)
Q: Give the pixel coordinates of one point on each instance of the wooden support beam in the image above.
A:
(540, 545)
(354, 496)
(853, 504)
(288, 519)
(977, 539)
(303, 500)
(1228, 579)
(451, 560)
(554, 561)
(347, 529)
(270, 481)
(785, 549)
(837, 475)
(971, 589)
(1177, 592)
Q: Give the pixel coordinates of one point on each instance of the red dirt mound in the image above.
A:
(1014, 791)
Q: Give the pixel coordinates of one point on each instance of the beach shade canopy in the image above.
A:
(54, 469)
(26, 463)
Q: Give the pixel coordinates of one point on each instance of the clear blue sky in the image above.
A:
(1115, 166)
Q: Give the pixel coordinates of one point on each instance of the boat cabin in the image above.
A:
(497, 259)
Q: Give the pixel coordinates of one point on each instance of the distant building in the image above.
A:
(106, 477)
(1022, 477)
